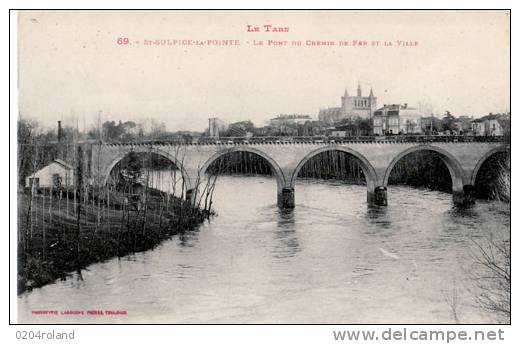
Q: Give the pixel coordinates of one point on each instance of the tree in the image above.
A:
(505, 122)
(492, 275)
(492, 259)
(129, 131)
(130, 171)
(364, 126)
(431, 125)
(35, 148)
(157, 129)
(25, 137)
(448, 121)
(112, 131)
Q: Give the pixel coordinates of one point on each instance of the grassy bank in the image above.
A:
(52, 242)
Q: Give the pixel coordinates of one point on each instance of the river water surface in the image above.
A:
(332, 259)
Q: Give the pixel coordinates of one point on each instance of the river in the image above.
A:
(332, 259)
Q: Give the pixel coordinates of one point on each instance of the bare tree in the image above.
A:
(79, 191)
(453, 301)
(491, 256)
(492, 275)
(502, 190)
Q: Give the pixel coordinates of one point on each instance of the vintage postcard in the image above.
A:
(263, 167)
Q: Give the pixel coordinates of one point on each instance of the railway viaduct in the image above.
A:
(377, 159)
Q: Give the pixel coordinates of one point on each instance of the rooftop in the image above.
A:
(293, 116)
(63, 163)
(396, 107)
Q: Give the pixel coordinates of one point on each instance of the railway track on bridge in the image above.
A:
(320, 139)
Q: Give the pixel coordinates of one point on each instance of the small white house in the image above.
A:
(57, 173)
(478, 127)
(338, 133)
(487, 126)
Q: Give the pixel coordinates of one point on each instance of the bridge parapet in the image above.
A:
(324, 140)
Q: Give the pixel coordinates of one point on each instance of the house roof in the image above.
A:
(330, 110)
(488, 118)
(58, 161)
(396, 107)
(292, 116)
(63, 163)
(389, 107)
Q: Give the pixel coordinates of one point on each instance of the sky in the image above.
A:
(71, 67)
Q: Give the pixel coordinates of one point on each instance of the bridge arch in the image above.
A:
(368, 169)
(482, 160)
(277, 171)
(454, 167)
(160, 152)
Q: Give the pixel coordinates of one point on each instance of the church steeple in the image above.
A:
(371, 93)
(346, 93)
(359, 89)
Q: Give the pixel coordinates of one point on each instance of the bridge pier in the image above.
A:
(190, 196)
(286, 198)
(464, 197)
(378, 196)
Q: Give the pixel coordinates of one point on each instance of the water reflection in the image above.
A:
(188, 239)
(286, 239)
(378, 216)
(461, 213)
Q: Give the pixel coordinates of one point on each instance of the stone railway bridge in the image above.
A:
(377, 159)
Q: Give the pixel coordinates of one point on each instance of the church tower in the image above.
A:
(344, 100)
(356, 105)
(372, 100)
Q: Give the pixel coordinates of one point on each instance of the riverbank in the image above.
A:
(52, 243)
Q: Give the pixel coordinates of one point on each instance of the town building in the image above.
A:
(490, 125)
(331, 115)
(478, 127)
(216, 127)
(334, 132)
(462, 125)
(409, 120)
(351, 107)
(284, 120)
(292, 125)
(431, 125)
(396, 119)
(56, 174)
(357, 127)
(241, 129)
